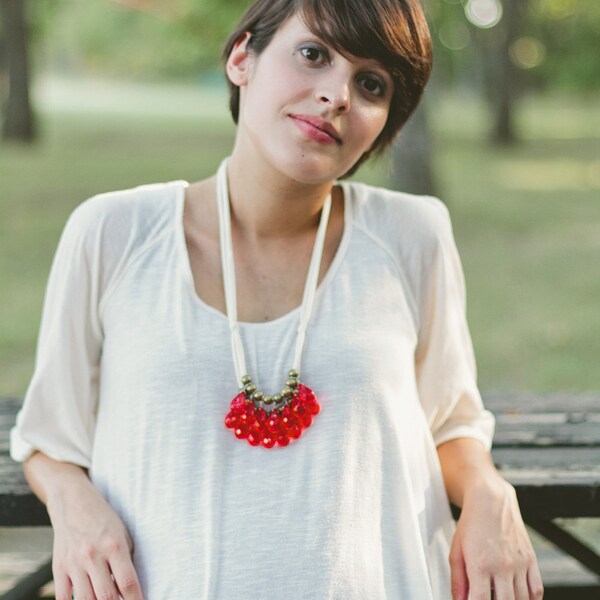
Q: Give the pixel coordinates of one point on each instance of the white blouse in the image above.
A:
(134, 375)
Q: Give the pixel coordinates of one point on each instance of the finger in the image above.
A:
(534, 580)
(102, 582)
(480, 587)
(504, 588)
(459, 582)
(521, 587)
(62, 586)
(126, 578)
(82, 586)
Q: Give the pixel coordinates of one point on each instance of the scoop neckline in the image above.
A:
(186, 268)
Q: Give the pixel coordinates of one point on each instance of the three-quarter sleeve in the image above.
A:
(445, 363)
(58, 413)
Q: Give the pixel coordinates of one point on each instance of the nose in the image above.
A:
(334, 94)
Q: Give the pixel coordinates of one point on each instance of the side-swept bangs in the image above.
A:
(393, 32)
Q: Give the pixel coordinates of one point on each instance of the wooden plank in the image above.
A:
(8, 411)
(514, 432)
(529, 402)
(558, 459)
(552, 500)
(572, 592)
(22, 510)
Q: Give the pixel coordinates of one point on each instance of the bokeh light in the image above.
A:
(527, 52)
(454, 35)
(484, 13)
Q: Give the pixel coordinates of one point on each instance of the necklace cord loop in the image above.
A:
(229, 285)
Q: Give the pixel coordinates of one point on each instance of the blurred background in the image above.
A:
(106, 94)
(99, 95)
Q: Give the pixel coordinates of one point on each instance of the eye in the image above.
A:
(315, 54)
(372, 84)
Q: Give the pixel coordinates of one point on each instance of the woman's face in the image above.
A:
(306, 109)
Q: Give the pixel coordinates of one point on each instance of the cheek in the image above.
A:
(372, 123)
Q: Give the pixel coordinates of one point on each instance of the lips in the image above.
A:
(317, 128)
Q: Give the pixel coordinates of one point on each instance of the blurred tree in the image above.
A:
(412, 169)
(504, 76)
(3, 70)
(182, 37)
(567, 32)
(18, 117)
(542, 42)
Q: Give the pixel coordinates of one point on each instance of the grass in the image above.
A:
(526, 219)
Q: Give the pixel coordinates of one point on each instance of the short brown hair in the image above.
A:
(394, 32)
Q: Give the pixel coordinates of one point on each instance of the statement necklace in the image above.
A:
(260, 419)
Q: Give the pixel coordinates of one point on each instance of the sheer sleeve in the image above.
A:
(445, 363)
(58, 414)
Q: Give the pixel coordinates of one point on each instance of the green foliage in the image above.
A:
(569, 30)
(179, 39)
(566, 31)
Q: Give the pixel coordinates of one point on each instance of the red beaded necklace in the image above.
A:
(260, 419)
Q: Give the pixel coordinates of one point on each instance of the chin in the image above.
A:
(311, 168)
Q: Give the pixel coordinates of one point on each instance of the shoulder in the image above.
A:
(106, 232)
(408, 223)
(136, 213)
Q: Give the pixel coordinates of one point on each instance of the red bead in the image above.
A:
(274, 422)
(305, 393)
(259, 425)
(298, 409)
(254, 438)
(313, 408)
(238, 403)
(231, 421)
(261, 415)
(249, 415)
(294, 432)
(306, 420)
(241, 432)
(288, 419)
(283, 439)
(268, 441)
(257, 428)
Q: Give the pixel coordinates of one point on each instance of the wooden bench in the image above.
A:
(547, 446)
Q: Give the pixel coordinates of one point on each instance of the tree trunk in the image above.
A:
(411, 156)
(18, 121)
(505, 81)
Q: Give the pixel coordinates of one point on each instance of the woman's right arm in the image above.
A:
(92, 549)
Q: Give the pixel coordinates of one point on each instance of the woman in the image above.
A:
(138, 426)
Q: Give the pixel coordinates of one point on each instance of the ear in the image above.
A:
(238, 62)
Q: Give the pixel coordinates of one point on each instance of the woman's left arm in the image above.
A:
(491, 548)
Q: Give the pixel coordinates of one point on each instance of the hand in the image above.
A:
(491, 549)
(92, 549)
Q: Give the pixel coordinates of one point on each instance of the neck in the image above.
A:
(266, 205)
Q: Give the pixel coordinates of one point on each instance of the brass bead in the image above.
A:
(286, 392)
(277, 398)
(246, 379)
(268, 399)
(293, 373)
(250, 389)
(291, 383)
(258, 395)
